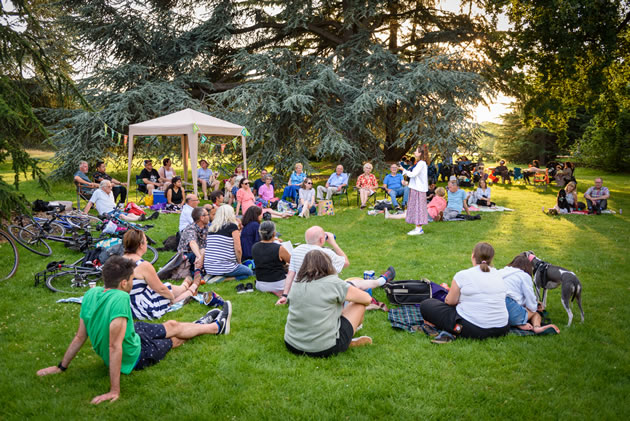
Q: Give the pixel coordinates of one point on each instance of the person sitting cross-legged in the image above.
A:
(270, 260)
(124, 346)
(318, 323)
(103, 200)
(456, 201)
(597, 197)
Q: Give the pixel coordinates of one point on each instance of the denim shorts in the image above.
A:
(517, 313)
(154, 344)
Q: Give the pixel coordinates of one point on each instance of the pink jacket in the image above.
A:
(435, 206)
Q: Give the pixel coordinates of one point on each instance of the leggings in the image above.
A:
(445, 317)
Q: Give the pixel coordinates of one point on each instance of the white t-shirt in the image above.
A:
(103, 202)
(519, 287)
(482, 297)
(185, 217)
(297, 257)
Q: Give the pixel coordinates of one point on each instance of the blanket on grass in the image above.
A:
(489, 209)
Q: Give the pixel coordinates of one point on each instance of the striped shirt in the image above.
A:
(146, 304)
(220, 257)
(297, 257)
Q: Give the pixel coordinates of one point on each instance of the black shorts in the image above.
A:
(346, 332)
(154, 345)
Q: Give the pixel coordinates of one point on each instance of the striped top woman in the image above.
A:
(150, 298)
(223, 246)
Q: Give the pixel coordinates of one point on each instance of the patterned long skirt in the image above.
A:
(417, 208)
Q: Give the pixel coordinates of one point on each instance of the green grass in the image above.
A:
(584, 373)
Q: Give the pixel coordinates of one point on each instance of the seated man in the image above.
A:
(335, 184)
(216, 197)
(261, 181)
(456, 201)
(396, 186)
(192, 242)
(315, 238)
(86, 187)
(119, 189)
(103, 201)
(597, 197)
(206, 178)
(503, 172)
(125, 346)
(150, 177)
(185, 217)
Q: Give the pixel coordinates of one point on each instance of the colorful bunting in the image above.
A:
(119, 137)
(244, 132)
(125, 139)
(195, 127)
(203, 139)
(222, 147)
(105, 128)
(235, 143)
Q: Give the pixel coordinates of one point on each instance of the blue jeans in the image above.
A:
(312, 210)
(240, 272)
(291, 192)
(400, 191)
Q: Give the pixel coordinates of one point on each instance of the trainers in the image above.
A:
(223, 319)
(443, 338)
(416, 231)
(430, 330)
(249, 287)
(212, 299)
(153, 216)
(240, 289)
(209, 317)
(389, 274)
(360, 341)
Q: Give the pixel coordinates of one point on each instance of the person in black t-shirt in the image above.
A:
(271, 260)
(119, 189)
(150, 177)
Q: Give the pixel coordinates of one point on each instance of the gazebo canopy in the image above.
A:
(189, 124)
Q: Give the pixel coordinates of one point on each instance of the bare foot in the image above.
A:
(538, 329)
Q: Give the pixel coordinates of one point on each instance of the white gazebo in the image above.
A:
(189, 124)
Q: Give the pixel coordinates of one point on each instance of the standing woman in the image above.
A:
(175, 192)
(296, 179)
(367, 184)
(418, 185)
(244, 196)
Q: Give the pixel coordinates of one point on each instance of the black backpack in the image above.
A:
(408, 292)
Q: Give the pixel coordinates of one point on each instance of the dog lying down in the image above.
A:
(548, 276)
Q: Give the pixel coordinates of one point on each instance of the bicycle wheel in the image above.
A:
(30, 240)
(151, 255)
(75, 282)
(55, 228)
(88, 222)
(10, 258)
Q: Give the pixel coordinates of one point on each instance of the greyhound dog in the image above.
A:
(548, 276)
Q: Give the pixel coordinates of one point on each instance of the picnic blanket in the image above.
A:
(406, 318)
(174, 307)
(489, 209)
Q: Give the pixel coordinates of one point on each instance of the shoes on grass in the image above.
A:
(443, 338)
(430, 330)
(389, 274)
(209, 317)
(240, 289)
(223, 319)
(360, 341)
(416, 231)
(249, 287)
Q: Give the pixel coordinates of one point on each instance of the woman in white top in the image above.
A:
(167, 172)
(418, 185)
(475, 305)
(306, 199)
(483, 194)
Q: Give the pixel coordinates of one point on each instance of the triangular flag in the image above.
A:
(244, 132)
(105, 124)
(222, 147)
(211, 147)
(119, 137)
(113, 133)
(235, 142)
(195, 128)
(125, 139)
(203, 139)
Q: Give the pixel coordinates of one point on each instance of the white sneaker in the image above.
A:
(416, 231)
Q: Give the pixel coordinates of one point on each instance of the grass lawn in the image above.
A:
(583, 373)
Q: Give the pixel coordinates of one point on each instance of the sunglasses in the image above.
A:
(246, 183)
(309, 183)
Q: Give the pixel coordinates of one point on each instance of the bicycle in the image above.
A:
(69, 279)
(10, 257)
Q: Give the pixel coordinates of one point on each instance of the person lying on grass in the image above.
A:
(521, 301)
(475, 305)
(318, 324)
(125, 346)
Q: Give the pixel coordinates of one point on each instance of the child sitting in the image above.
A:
(437, 205)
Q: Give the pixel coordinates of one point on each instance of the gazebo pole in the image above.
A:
(184, 158)
(129, 162)
(243, 148)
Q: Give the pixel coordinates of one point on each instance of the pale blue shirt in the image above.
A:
(204, 174)
(337, 180)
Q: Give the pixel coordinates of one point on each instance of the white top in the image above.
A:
(418, 177)
(103, 202)
(185, 218)
(297, 257)
(519, 287)
(483, 193)
(482, 298)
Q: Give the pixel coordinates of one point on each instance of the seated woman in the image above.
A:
(150, 298)
(567, 201)
(266, 193)
(534, 167)
(318, 324)
(475, 304)
(244, 196)
(249, 234)
(238, 176)
(167, 172)
(483, 194)
(223, 246)
(564, 174)
(271, 260)
(367, 184)
(296, 179)
(228, 197)
(306, 198)
(175, 192)
(521, 301)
